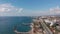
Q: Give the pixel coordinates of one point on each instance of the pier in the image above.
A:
(21, 32)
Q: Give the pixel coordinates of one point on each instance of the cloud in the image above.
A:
(8, 9)
(20, 9)
(55, 10)
(50, 11)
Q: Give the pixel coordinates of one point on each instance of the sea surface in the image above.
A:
(7, 24)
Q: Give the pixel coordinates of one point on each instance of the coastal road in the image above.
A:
(45, 27)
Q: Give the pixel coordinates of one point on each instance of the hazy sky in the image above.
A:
(29, 7)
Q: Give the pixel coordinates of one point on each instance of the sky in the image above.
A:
(29, 7)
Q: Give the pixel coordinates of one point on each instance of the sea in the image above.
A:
(7, 24)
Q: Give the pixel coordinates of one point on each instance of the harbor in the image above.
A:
(43, 25)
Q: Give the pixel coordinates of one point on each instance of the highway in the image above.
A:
(45, 27)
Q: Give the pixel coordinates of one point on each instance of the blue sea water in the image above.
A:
(7, 24)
